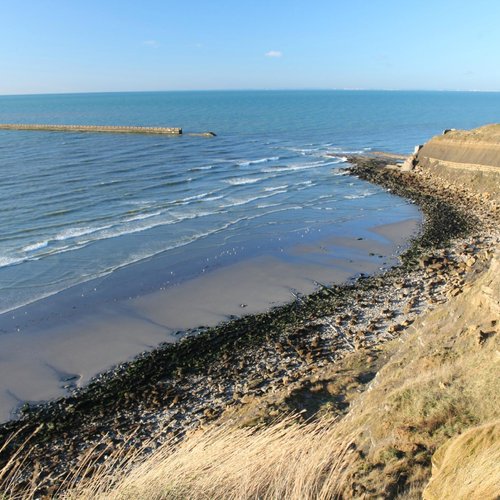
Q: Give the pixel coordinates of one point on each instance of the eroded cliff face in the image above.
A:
(468, 465)
(470, 158)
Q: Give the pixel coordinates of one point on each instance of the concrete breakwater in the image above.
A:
(93, 128)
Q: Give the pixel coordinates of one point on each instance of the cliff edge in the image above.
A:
(469, 157)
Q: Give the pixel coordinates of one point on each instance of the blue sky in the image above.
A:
(91, 46)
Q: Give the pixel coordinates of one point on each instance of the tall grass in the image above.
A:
(289, 459)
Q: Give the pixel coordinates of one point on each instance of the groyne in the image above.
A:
(93, 128)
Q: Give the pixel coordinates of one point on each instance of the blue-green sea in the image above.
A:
(77, 206)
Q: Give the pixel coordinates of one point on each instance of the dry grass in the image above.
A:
(467, 466)
(12, 472)
(288, 459)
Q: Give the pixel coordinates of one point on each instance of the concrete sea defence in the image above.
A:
(94, 128)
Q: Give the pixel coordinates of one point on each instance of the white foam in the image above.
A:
(143, 216)
(294, 168)
(303, 151)
(35, 246)
(239, 181)
(143, 203)
(337, 172)
(122, 231)
(235, 202)
(268, 205)
(103, 233)
(339, 159)
(255, 162)
(358, 196)
(184, 201)
(275, 188)
(196, 169)
(75, 232)
(9, 261)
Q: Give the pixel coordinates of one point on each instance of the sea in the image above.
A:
(79, 206)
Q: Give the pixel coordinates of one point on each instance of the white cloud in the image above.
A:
(151, 43)
(274, 53)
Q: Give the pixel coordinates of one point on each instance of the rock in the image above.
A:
(203, 134)
(408, 164)
(315, 342)
(394, 328)
(254, 383)
(176, 399)
(209, 413)
(470, 261)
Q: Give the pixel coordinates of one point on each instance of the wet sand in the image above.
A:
(61, 345)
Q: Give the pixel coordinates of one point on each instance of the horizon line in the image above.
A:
(298, 89)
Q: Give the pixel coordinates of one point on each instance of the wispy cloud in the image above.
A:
(274, 53)
(151, 43)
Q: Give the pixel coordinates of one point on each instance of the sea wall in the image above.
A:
(93, 128)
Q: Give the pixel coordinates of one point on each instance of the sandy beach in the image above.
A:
(52, 347)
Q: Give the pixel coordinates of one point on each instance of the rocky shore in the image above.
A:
(257, 366)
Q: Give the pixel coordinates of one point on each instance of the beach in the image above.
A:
(259, 360)
(65, 341)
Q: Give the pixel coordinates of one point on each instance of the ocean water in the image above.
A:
(77, 206)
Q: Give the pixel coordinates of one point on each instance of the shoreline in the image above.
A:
(265, 353)
(69, 338)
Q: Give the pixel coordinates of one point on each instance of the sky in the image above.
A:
(59, 46)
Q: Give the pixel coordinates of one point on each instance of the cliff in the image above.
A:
(466, 157)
